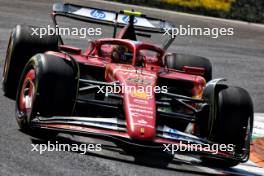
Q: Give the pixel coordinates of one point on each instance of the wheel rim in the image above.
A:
(27, 94)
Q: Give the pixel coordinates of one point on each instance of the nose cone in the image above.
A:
(139, 106)
(141, 118)
(141, 132)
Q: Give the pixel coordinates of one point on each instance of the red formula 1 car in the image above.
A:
(125, 88)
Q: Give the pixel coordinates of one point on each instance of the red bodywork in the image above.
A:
(139, 108)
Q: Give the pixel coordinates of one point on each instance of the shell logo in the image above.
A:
(138, 94)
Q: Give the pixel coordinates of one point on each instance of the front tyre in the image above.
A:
(47, 88)
(233, 124)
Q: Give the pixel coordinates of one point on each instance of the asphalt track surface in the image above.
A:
(239, 58)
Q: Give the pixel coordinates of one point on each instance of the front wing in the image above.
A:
(116, 128)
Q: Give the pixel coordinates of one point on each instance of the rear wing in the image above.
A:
(107, 17)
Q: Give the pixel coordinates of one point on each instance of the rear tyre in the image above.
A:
(233, 124)
(47, 88)
(178, 61)
(21, 47)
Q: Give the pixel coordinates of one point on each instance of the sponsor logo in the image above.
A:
(142, 121)
(126, 19)
(141, 111)
(98, 14)
(141, 95)
(139, 81)
(142, 130)
(139, 101)
(140, 107)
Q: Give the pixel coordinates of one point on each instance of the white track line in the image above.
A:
(258, 129)
(249, 168)
(259, 117)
